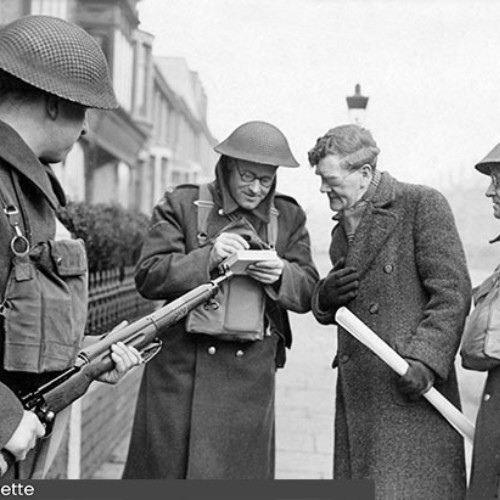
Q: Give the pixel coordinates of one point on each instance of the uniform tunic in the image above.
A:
(414, 293)
(42, 194)
(206, 406)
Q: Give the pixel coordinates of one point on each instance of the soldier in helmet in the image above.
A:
(206, 403)
(484, 482)
(51, 71)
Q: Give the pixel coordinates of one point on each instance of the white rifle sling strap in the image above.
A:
(204, 205)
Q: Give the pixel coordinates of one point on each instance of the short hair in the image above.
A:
(17, 88)
(354, 144)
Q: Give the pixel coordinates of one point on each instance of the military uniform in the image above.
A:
(206, 406)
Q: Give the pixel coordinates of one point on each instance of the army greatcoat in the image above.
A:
(415, 294)
(206, 406)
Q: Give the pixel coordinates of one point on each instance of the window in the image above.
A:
(123, 69)
(57, 8)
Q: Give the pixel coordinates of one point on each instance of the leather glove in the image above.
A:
(417, 380)
(339, 287)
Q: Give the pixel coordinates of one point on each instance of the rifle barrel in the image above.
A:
(143, 331)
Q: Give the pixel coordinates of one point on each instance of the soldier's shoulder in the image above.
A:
(183, 187)
(180, 194)
(281, 198)
(182, 190)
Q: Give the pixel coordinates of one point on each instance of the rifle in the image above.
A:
(91, 362)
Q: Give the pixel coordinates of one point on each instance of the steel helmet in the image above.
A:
(490, 160)
(258, 142)
(58, 57)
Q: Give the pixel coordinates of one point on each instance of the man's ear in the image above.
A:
(52, 106)
(367, 172)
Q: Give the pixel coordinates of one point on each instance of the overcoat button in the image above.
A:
(239, 353)
(388, 268)
(344, 358)
(221, 211)
(212, 350)
(487, 397)
(374, 308)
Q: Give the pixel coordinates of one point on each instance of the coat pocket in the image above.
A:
(45, 310)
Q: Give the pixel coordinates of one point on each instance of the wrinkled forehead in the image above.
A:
(331, 165)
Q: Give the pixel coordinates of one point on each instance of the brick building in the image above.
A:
(158, 137)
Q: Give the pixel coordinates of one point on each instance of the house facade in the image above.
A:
(158, 137)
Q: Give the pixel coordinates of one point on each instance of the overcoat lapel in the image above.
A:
(375, 227)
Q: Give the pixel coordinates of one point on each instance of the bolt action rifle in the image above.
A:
(93, 361)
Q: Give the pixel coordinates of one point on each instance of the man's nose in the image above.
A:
(324, 188)
(255, 186)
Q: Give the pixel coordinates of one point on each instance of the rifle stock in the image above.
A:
(93, 361)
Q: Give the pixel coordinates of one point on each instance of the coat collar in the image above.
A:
(377, 224)
(17, 153)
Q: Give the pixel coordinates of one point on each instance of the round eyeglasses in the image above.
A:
(248, 177)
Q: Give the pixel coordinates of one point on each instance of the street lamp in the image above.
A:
(356, 105)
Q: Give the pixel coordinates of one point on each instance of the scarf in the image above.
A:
(350, 218)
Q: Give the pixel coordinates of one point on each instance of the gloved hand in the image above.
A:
(339, 287)
(417, 380)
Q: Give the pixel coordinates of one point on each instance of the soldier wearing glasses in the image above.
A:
(399, 265)
(206, 404)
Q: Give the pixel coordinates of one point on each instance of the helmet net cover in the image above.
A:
(58, 57)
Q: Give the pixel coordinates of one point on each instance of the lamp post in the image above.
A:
(356, 105)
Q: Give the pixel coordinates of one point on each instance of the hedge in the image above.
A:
(112, 234)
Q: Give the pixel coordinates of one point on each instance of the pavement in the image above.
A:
(304, 407)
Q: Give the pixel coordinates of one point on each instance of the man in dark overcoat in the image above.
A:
(206, 403)
(399, 265)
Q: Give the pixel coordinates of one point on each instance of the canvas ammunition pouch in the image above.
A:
(480, 348)
(237, 311)
(44, 307)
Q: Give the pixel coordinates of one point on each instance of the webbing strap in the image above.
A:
(205, 203)
(19, 244)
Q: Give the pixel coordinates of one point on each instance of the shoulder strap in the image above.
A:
(19, 244)
(204, 204)
(272, 227)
